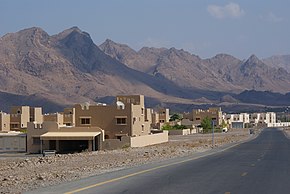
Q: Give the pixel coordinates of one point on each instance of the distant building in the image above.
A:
(159, 118)
(196, 116)
(4, 121)
(263, 118)
(21, 115)
(237, 120)
(69, 116)
(54, 117)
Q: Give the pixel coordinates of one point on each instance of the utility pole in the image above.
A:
(212, 134)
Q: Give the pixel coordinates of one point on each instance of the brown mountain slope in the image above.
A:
(68, 68)
(279, 61)
(220, 73)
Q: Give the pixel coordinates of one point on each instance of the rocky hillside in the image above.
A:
(220, 73)
(69, 68)
(66, 68)
(279, 61)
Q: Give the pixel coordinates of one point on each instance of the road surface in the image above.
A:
(258, 166)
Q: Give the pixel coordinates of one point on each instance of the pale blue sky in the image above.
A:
(202, 27)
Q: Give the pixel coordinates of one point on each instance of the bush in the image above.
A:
(175, 127)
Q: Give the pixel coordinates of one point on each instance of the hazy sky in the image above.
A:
(202, 27)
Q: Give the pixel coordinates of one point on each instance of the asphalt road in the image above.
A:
(258, 166)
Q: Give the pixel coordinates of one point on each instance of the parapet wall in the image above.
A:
(152, 139)
(139, 141)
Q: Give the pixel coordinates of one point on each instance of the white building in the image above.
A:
(263, 118)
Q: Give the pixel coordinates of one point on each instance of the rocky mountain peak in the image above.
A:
(72, 32)
(34, 33)
(254, 60)
(112, 48)
(222, 56)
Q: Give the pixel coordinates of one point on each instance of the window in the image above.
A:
(36, 140)
(121, 121)
(85, 121)
(142, 111)
(14, 126)
(134, 120)
(197, 119)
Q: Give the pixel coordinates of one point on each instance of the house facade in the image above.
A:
(197, 115)
(4, 121)
(94, 127)
(21, 115)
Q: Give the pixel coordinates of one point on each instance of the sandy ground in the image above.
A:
(22, 173)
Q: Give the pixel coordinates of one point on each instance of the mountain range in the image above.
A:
(60, 70)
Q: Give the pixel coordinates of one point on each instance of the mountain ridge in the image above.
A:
(68, 68)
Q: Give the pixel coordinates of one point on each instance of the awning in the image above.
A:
(69, 135)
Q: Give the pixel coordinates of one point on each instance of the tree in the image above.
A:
(175, 117)
(166, 127)
(206, 124)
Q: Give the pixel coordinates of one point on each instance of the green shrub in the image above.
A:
(175, 127)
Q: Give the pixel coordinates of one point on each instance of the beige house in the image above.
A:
(196, 116)
(69, 116)
(21, 115)
(159, 117)
(125, 118)
(54, 117)
(50, 136)
(94, 126)
(4, 121)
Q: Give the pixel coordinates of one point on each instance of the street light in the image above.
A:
(212, 122)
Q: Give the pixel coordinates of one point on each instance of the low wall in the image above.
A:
(193, 131)
(112, 144)
(282, 124)
(152, 139)
(12, 143)
(180, 132)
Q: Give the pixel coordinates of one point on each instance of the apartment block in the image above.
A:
(4, 121)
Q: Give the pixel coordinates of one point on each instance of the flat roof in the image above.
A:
(69, 135)
(11, 133)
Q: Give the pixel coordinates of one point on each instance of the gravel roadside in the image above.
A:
(20, 174)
